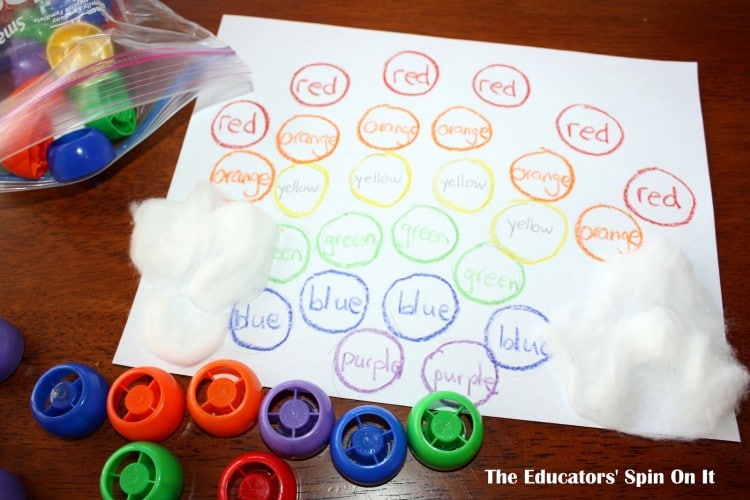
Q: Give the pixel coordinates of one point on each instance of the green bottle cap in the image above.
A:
(444, 430)
(142, 470)
(96, 98)
(37, 25)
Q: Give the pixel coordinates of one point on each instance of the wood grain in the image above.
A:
(66, 280)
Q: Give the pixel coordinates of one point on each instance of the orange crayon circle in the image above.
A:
(542, 175)
(603, 229)
(461, 129)
(388, 127)
(248, 172)
(307, 138)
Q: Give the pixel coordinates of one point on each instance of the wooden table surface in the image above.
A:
(67, 282)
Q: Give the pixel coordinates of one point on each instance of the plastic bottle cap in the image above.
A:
(76, 45)
(439, 437)
(11, 486)
(35, 27)
(258, 476)
(296, 419)
(146, 404)
(78, 154)
(223, 398)
(100, 97)
(69, 400)
(141, 470)
(368, 445)
(27, 59)
(11, 349)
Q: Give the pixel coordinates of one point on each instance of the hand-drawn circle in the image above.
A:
(313, 152)
(314, 66)
(419, 55)
(407, 172)
(256, 347)
(514, 288)
(394, 328)
(437, 126)
(350, 219)
(338, 370)
(487, 352)
(602, 207)
(261, 174)
(509, 69)
(493, 356)
(631, 206)
(543, 177)
(514, 253)
(425, 259)
(591, 109)
(356, 280)
(253, 138)
(305, 255)
(363, 131)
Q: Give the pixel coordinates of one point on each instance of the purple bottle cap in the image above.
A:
(28, 58)
(296, 419)
(11, 349)
(11, 486)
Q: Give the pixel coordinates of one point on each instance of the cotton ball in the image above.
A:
(242, 241)
(177, 331)
(646, 353)
(171, 238)
(203, 255)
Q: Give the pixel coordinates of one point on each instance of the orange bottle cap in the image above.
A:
(146, 404)
(223, 398)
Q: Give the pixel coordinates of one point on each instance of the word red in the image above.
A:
(410, 73)
(501, 85)
(319, 84)
(589, 130)
(240, 124)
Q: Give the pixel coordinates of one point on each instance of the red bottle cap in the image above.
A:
(258, 476)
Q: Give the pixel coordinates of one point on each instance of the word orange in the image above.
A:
(307, 138)
(603, 230)
(250, 172)
(388, 127)
(461, 129)
(542, 175)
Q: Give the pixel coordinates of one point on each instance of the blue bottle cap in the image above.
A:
(368, 445)
(11, 486)
(79, 154)
(70, 400)
(11, 349)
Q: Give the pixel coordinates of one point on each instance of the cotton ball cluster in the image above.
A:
(198, 257)
(647, 354)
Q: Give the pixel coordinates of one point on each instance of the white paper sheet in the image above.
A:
(439, 199)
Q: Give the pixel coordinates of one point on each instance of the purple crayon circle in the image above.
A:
(296, 419)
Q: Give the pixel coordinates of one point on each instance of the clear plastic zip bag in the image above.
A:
(84, 81)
